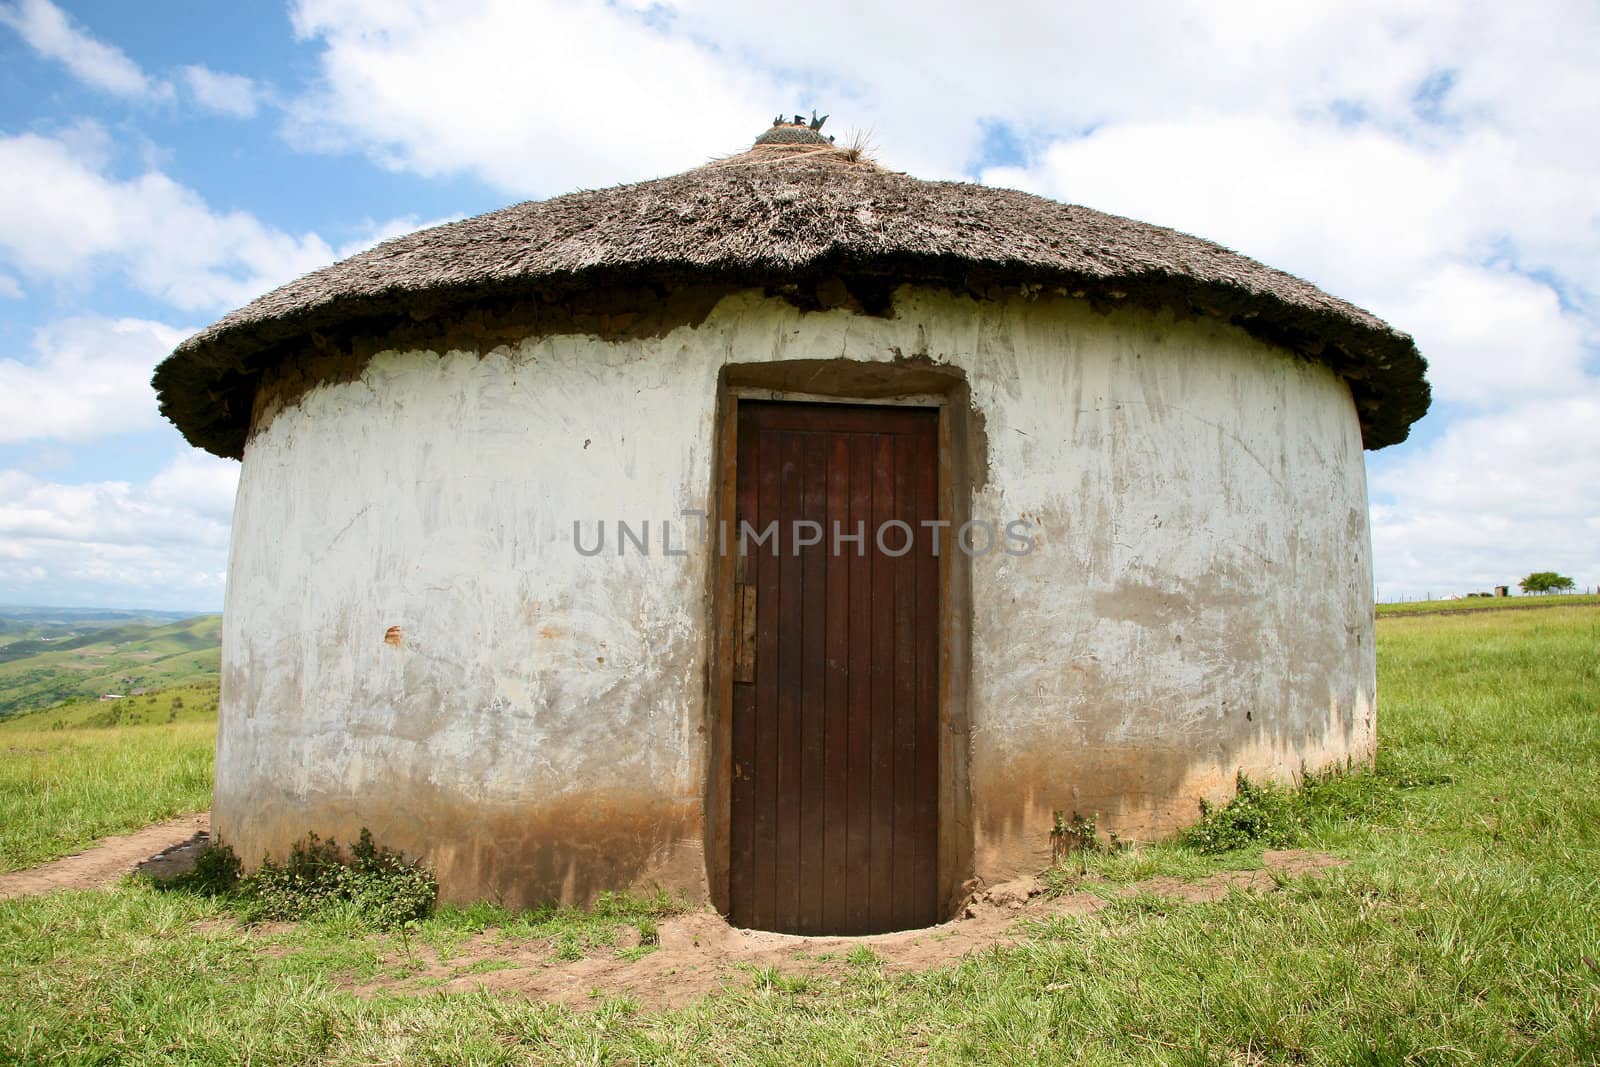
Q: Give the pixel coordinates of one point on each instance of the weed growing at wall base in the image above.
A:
(373, 885)
(1276, 816)
(1264, 814)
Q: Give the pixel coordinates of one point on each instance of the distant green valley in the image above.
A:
(52, 655)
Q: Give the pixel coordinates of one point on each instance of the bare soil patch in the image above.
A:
(699, 953)
(164, 849)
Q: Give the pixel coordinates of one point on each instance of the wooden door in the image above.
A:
(834, 806)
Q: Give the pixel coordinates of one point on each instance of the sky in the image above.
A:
(162, 163)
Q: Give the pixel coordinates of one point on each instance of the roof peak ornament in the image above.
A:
(800, 120)
(798, 131)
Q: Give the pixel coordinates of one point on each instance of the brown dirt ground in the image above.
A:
(164, 849)
(700, 953)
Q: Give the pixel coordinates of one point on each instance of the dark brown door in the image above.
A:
(834, 803)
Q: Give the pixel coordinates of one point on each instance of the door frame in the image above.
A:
(868, 384)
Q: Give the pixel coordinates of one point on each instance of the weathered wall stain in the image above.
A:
(520, 855)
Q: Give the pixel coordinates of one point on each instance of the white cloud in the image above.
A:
(1477, 230)
(226, 94)
(160, 544)
(1344, 204)
(1495, 337)
(1496, 497)
(88, 377)
(52, 33)
(539, 96)
(10, 288)
(63, 217)
(531, 97)
(1402, 228)
(199, 482)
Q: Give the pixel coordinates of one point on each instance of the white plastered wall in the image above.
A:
(412, 642)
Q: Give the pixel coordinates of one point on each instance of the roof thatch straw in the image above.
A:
(783, 216)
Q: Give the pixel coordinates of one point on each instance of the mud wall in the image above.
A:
(413, 643)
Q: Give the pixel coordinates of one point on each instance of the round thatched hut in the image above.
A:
(790, 533)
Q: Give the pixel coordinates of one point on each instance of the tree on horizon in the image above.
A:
(1546, 582)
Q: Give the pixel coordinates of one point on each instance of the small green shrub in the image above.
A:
(1078, 834)
(311, 878)
(384, 889)
(378, 887)
(1259, 814)
(215, 872)
(389, 889)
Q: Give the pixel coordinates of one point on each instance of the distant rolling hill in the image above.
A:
(26, 630)
(46, 659)
(193, 702)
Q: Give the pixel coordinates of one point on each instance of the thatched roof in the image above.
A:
(786, 216)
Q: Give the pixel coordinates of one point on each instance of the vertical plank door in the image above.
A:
(834, 805)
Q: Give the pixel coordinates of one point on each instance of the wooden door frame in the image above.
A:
(867, 384)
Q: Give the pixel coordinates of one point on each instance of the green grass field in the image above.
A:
(1465, 930)
(1487, 603)
(83, 770)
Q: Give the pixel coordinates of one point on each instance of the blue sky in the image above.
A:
(163, 163)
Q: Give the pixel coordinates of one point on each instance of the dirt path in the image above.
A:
(699, 953)
(163, 849)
